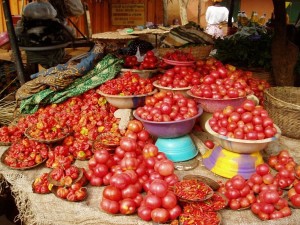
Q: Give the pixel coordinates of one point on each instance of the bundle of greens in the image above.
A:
(249, 47)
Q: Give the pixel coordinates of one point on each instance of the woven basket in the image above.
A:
(283, 106)
(199, 52)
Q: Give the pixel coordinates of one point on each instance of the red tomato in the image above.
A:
(160, 215)
(100, 170)
(175, 212)
(169, 201)
(127, 206)
(209, 144)
(135, 126)
(112, 193)
(119, 181)
(165, 167)
(248, 105)
(159, 188)
(152, 201)
(128, 144)
(144, 213)
(262, 169)
(109, 206)
(143, 135)
(101, 156)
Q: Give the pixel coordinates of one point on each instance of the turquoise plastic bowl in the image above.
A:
(177, 149)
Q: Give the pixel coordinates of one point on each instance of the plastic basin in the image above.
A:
(177, 149)
(170, 129)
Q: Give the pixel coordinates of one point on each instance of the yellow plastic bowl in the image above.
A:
(228, 164)
(241, 145)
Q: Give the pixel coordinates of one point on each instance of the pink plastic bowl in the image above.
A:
(170, 129)
(4, 38)
(211, 105)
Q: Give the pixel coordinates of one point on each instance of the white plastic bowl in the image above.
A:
(241, 145)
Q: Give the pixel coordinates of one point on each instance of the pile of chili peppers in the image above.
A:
(192, 190)
(197, 212)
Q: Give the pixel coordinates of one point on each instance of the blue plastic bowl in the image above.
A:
(169, 129)
(177, 149)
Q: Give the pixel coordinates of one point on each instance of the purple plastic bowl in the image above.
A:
(170, 129)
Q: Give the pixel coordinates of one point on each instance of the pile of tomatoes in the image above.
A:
(25, 153)
(135, 166)
(179, 55)
(41, 185)
(47, 128)
(129, 84)
(226, 81)
(150, 61)
(248, 121)
(167, 106)
(179, 77)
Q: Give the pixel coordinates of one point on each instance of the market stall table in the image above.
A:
(113, 36)
(48, 209)
(156, 32)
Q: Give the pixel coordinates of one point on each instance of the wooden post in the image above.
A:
(284, 52)
(13, 41)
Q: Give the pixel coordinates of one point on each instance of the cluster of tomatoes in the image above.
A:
(150, 61)
(179, 77)
(135, 166)
(167, 106)
(76, 192)
(86, 116)
(68, 183)
(25, 153)
(248, 121)
(41, 185)
(265, 191)
(179, 55)
(10, 134)
(226, 81)
(65, 176)
(59, 156)
(216, 88)
(128, 84)
(47, 128)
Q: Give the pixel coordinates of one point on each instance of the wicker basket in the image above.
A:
(199, 52)
(283, 106)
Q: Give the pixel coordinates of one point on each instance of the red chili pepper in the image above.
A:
(192, 190)
(199, 218)
(215, 203)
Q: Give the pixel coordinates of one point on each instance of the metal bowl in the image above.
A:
(182, 90)
(141, 73)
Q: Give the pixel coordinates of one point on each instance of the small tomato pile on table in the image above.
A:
(128, 84)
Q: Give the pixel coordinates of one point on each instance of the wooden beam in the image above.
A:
(13, 41)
